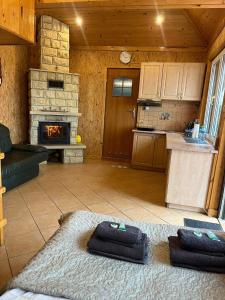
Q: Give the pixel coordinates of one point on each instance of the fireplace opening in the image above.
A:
(54, 133)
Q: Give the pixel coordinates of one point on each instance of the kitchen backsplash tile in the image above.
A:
(172, 115)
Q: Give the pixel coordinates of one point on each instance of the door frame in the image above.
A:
(106, 95)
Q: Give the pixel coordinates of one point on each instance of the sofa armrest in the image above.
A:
(29, 148)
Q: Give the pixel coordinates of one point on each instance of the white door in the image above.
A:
(172, 81)
(193, 81)
(150, 81)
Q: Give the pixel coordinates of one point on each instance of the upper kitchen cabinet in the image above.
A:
(150, 81)
(192, 83)
(27, 19)
(172, 81)
(17, 21)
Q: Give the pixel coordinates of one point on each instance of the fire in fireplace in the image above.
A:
(54, 133)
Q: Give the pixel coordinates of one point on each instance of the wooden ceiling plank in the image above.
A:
(195, 26)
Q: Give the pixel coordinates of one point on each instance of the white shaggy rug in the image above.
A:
(65, 269)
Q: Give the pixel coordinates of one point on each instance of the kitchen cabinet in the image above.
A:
(150, 81)
(26, 24)
(188, 173)
(172, 81)
(143, 149)
(192, 83)
(17, 21)
(149, 151)
(160, 152)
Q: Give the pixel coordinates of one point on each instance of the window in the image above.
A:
(122, 87)
(215, 96)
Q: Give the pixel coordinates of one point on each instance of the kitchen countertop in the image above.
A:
(175, 141)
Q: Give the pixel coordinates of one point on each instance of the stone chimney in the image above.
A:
(54, 94)
(54, 44)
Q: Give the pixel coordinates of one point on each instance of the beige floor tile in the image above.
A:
(70, 206)
(48, 232)
(40, 207)
(19, 262)
(16, 212)
(166, 214)
(90, 198)
(13, 200)
(142, 214)
(5, 273)
(123, 203)
(120, 215)
(24, 243)
(35, 196)
(47, 220)
(20, 226)
(102, 208)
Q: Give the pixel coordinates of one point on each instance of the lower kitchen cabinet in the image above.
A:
(160, 152)
(149, 151)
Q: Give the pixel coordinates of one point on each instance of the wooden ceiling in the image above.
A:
(110, 23)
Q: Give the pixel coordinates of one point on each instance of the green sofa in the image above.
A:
(21, 162)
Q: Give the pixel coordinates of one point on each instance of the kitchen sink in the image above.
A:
(194, 141)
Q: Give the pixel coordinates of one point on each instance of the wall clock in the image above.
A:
(125, 57)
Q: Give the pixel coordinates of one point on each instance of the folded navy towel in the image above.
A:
(137, 252)
(190, 241)
(111, 231)
(143, 261)
(188, 259)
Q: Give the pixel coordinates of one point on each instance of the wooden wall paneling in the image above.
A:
(13, 91)
(92, 66)
(2, 220)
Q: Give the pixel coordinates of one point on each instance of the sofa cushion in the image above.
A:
(16, 162)
(5, 141)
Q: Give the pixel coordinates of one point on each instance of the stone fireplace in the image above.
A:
(54, 94)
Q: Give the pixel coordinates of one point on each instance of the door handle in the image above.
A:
(133, 111)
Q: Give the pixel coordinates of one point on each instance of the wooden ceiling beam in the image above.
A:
(138, 49)
(132, 4)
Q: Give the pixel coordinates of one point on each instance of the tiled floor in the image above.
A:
(34, 208)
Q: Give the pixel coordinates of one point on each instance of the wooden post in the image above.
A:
(213, 199)
(2, 220)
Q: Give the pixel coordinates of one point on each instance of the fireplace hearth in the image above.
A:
(54, 133)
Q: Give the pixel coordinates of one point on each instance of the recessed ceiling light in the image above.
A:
(159, 19)
(79, 21)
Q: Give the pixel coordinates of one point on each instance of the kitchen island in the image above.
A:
(189, 170)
